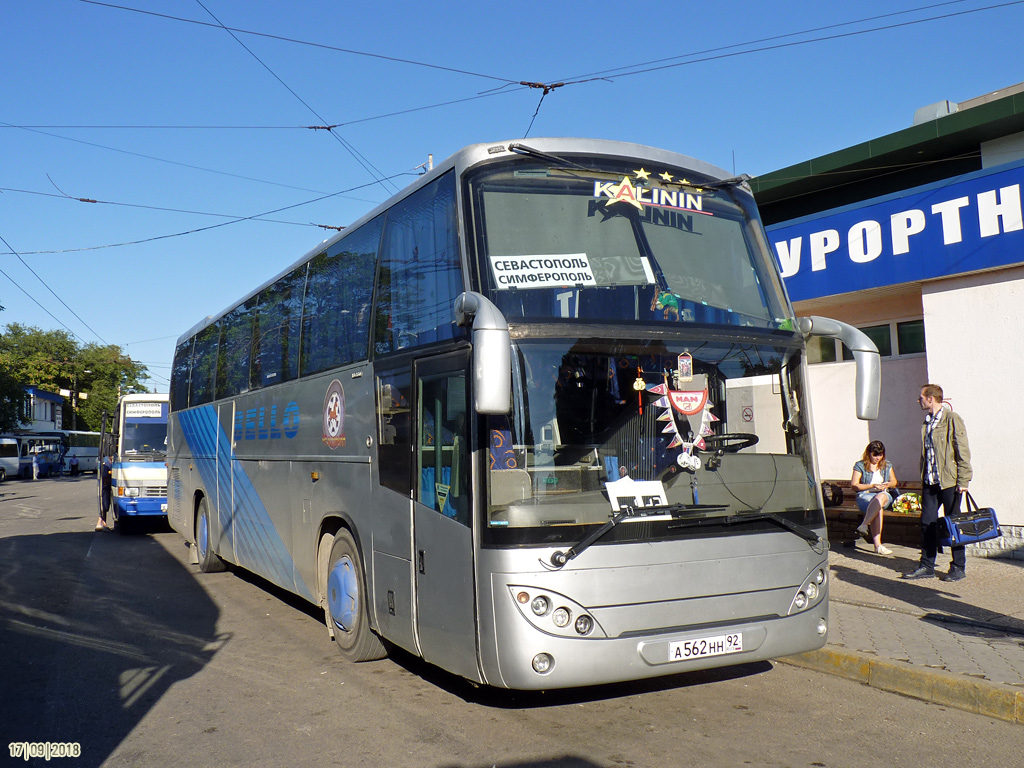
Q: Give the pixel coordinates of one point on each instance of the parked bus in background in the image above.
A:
(134, 439)
(39, 453)
(83, 445)
(10, 463)
(541, 419)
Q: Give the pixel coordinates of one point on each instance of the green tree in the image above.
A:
(55, 361)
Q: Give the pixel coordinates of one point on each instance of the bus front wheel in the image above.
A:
(209, 561)
(346, 602)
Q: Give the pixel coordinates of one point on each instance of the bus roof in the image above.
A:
(466, 158)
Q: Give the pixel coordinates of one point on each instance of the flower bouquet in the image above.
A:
(907, 504)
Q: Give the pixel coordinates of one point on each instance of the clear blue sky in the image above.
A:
(176, 127)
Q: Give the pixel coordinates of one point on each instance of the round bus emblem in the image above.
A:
(334, 415)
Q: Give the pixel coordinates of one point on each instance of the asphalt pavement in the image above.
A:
(958, 644)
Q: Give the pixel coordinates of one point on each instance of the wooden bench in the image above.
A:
(896, 529)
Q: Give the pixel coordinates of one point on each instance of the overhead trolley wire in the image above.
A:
(367, 165)
(769, 39)
(603, 75)
(254, 217)
(34, 129)
(351, 51)
(36, 301)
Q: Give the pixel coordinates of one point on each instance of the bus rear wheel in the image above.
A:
(346, 602)
(209, 561)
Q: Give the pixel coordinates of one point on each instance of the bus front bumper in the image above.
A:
(140, 507)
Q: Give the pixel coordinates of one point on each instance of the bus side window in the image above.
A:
(420, 273)
(204, 366)
(235, 350)
(394, 398)
(339, 293)
(279, 320)
(180, 375)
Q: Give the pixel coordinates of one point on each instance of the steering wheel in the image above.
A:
(730, 442)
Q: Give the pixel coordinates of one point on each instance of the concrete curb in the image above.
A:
(932, 685)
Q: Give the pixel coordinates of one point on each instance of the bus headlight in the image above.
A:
(542, 663)
(133, 492)
(540, 605)
(811, 592)
(568, 619)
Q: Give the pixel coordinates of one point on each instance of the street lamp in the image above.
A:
(75, 394)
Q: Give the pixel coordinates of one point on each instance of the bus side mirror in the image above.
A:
(492, 352)
(865, 355)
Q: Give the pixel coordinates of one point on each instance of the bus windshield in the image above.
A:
(144, 438)
(719, 425)
(597, 239)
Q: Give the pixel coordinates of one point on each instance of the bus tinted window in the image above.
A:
(204, 366)
(235, 350)
(415, 305)
(180, 374)
(339, 292)
(278, 321)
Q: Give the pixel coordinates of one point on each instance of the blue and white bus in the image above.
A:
(134, 443)
(541, 419)
(84, 446)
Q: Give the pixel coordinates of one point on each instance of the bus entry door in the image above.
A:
(443, 551)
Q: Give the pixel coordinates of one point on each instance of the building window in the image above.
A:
(902, 338)
(821, 350)
(881, 335)
(910, 337)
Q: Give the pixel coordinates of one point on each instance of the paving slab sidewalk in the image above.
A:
(958, 644)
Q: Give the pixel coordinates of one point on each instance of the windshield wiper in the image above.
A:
(522, 149)
(560, 558)
(732, 181)
(802, 531)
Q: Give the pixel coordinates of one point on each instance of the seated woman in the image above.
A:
(874, 480)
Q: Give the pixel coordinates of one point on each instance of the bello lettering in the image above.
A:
(267, 423)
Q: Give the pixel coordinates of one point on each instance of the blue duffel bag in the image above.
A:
(970, 527)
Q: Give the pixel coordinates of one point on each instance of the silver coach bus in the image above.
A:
(541, 419)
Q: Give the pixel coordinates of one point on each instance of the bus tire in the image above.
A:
(346, 602)
(209, 561)
(3, 474)
(124, 525)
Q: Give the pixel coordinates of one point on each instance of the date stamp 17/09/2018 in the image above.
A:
(47, 750)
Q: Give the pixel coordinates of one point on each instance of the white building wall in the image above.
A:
(973, 328)
(841, 437)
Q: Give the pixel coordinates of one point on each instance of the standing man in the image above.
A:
(945, 470)
(106, 471)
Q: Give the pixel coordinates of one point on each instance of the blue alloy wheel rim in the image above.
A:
(201, 537)
(343, 594)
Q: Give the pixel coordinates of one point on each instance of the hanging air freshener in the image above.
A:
(640, 385)
(684, 369)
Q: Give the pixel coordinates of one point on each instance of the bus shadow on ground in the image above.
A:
(566, 761)
(94, 629)
(500, 698)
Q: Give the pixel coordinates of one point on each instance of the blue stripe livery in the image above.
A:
(257, 545)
